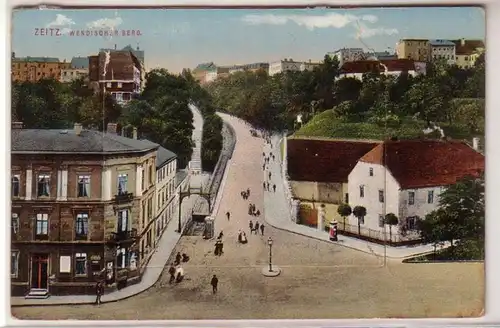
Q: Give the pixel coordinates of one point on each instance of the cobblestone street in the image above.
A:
(318, 279)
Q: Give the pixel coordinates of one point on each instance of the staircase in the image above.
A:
(37, 293)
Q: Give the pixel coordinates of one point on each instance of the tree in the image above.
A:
(391, 219)
(360, 213)
(344, 210)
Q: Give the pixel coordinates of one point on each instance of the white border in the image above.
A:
(492, 305)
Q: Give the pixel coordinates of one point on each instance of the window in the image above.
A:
(108, 85)
(80, 264)
(381, 196)
(430, 196)
(122, 220)
(122, 184)
(82, 226)
(361, 191)
(14, 263)
(121, 258)
(150, 174)
(43, 185)
(346, 200)
(15, 185)
(159, 202)
(381, 220)
(371, 171)
(119, 84)
(84, 186)
(14, 223)
(411, 198)
(42, 225)
(143, 179)
(411, 223)
(150, 208)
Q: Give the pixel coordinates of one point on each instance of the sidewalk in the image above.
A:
(277, 211)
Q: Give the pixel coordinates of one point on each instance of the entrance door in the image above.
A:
(39, 271)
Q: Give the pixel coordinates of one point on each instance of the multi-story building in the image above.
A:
(406, 178)
(395, 67)
(415, 49)
(217, 72)
(118, 73)
(308, 66)
(348, 55)
(33, 69)
(254, 67)
(285, 65)
(71, 74)
(138, 53)
(467, 52)
(200, 72)
(82, 209)
(80, 62)
(442, 50)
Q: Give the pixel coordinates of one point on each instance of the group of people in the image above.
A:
(255, 228)
(219, 245)
(267, 186)
(175, 271)
(242, 237)
(245, 194)
(252, 210)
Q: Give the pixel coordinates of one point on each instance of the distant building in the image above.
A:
(382, 55)
(395, 67)
(118, 73)
(348, 55)
(414, 49)
(442, 50)
(215, 73)
(138, 53)
(80, 62)
(200, 72)
(33, 69)
(285, 65)
(467, 52)
(71, 74)
(254, 67)
(308, 66)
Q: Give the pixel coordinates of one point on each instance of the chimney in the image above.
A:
(134, 133)
(17, 125)
(78, 128)
(111, 128)
(475, 143)
(462, 42)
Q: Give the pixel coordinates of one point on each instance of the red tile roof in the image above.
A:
(121, 65)
(469, 46)
(365, 66)
(426, 163)
(324, 160)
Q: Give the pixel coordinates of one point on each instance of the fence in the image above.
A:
(286, 185)
(395, 236)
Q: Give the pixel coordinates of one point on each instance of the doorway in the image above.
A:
(39, 271)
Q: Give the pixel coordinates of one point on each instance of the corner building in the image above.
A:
(77, 207)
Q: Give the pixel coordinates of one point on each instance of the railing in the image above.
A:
(392, 237)
(123, 236)
(124, 197)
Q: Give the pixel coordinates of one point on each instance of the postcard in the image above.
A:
(210, 163)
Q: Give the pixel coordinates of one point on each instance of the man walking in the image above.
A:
(274, 188)
(99, 290)
(269, 175)
(262, 229)
(257, 227)
(214, 283)
(228, 215)
(250, 225)
(171, 272)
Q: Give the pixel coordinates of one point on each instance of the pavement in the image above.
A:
(278, 214)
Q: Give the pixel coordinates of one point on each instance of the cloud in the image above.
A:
(105, 23)
(61, 20)
(365, 32)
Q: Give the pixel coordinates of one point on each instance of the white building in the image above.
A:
(71, 74)
(442, 50)
(393, 67)
(165, 193)
(285, 65)
(308, 66)
(406, 178)
(348, 55)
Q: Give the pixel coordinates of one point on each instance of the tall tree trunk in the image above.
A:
(359, 227)
(390, 233)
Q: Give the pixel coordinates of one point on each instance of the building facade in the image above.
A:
(285, 65)
(357, 69)
(71, 74)
(414, 49)
(467, 52)
(406, 178)
(442, 50)
(33, 69)
(200, 72)
(81, 205)
(214, 74)
(118, 73)
(348, 55)
(308, 66)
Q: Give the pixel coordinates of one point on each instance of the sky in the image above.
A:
(183, 38)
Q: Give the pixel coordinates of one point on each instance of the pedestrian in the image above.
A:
(250, 225)
(264, 184)
(274, 188)
(262, 229)
(178, 258)
(263, 154)
(257, 213)
(171, 272)
(248, 192)
(221, 234)
(274, 157)
(228, 215)
(99, 290)
(257, 227)
(214, 283)
(264, 167)
(267, 186)
(269, 175)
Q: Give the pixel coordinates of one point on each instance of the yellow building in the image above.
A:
(35, 68)
(468, 51)
(416, 49)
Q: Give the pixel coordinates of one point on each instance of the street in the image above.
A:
(318, 279)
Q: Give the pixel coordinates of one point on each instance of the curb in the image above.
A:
(222, 185)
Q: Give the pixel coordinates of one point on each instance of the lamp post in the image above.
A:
(270, 243)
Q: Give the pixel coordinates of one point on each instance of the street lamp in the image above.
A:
(270, 243)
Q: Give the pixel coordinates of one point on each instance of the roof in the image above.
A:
(205, 66)
(66, 141)
(121, 65)
(441, 43)
(418, 40)
(180, 176)
(80, 62)
(38, 59)
(469, 46)
(163, 156)
(365, 66)
(426, 163)
(324, 160)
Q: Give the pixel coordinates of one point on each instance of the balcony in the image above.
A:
(125, 197)
(123, 237)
